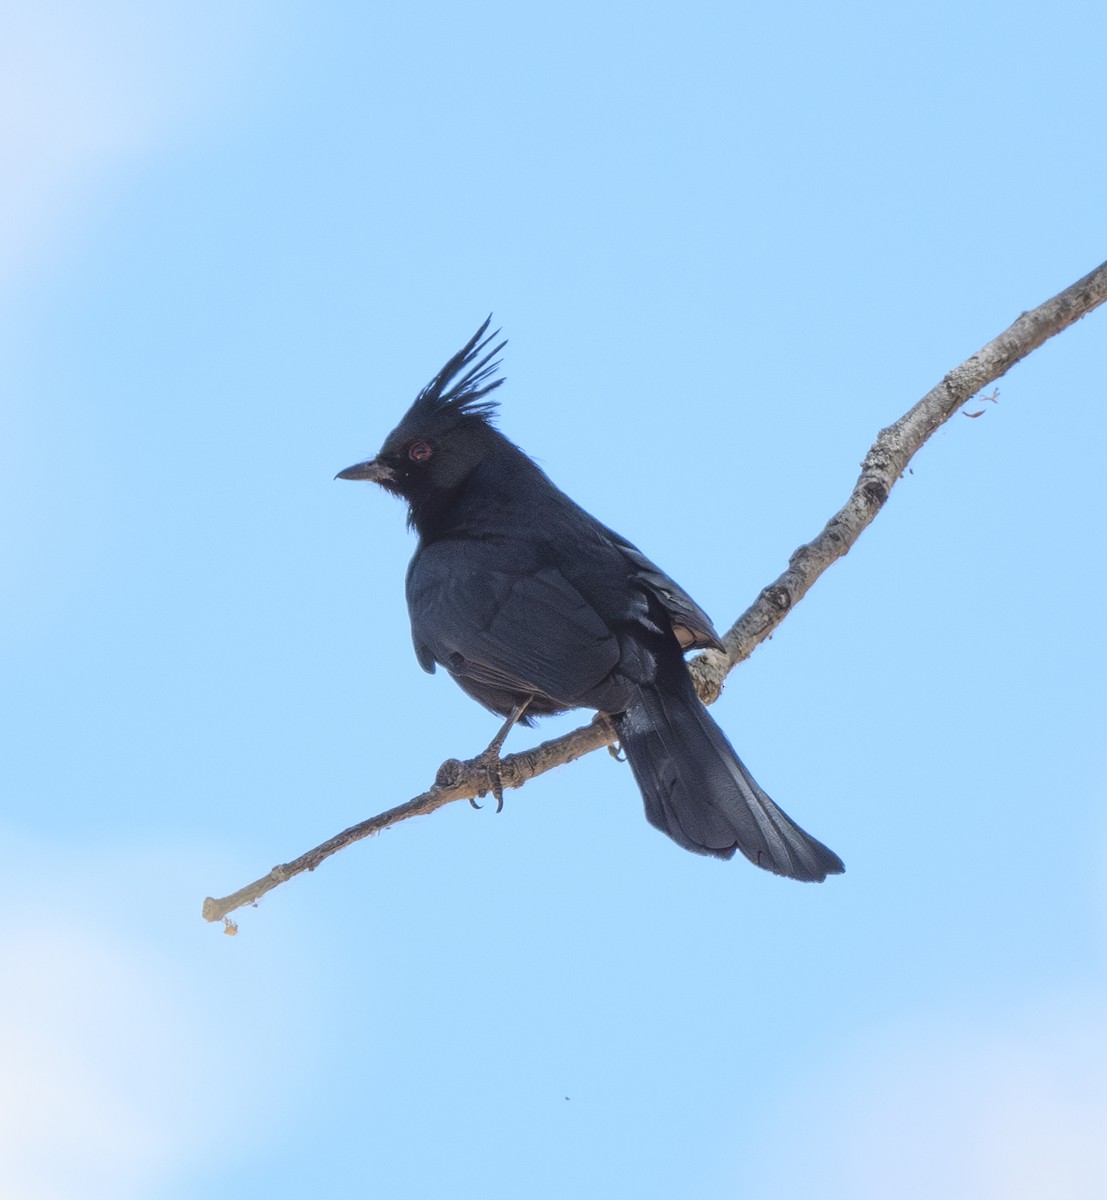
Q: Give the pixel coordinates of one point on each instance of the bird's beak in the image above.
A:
(373, 470)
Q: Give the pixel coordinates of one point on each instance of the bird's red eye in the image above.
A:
(419, 451)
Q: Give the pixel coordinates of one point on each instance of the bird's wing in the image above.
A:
(692, 626)
(525, 630)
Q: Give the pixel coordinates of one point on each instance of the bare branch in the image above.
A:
(881, 468)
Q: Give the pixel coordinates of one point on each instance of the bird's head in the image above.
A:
(444, 434)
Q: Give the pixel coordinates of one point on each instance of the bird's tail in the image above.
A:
(697, 790)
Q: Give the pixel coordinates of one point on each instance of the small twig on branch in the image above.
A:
(882, 467)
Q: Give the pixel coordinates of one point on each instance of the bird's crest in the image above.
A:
(466, 396)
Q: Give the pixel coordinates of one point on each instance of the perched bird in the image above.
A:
(534, 607)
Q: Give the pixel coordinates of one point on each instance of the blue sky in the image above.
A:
(727, 245)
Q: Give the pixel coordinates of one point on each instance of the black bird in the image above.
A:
(534, 607)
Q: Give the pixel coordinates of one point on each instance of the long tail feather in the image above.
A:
(697, 791)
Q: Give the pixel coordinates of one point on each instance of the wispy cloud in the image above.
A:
(97, 1059)
(84, 90)
(136, 1048)
(1009, 1108)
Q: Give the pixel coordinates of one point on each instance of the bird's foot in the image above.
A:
(490, 762)
(614, 747)
(489, 759)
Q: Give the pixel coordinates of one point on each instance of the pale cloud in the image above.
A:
(95, 1053)
(133, 1055)
(87, 89)
(1009, 1108)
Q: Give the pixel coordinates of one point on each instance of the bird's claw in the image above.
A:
(489, 760)
(615, 747)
